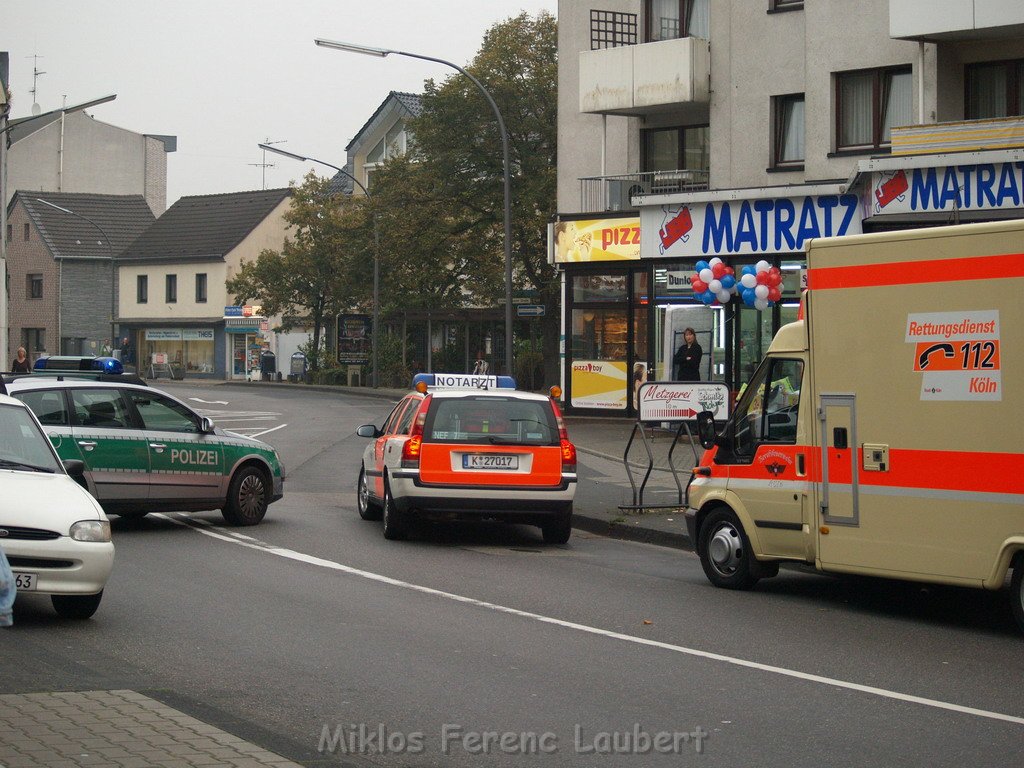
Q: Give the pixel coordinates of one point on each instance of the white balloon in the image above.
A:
(715, 286)
(748, 281)
(724, 296)
(761, 291)
(714, 261)
(761, 304)
(706, 275)
(763, 266)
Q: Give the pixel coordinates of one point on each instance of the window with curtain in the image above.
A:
(672, 19)
(869, 103)
(788, 114)
(994, 89)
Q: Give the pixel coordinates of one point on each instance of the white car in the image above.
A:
(52, 531)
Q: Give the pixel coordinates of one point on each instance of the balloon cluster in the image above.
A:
(759, 286)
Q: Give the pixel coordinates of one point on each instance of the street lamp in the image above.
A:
(376, 247)
(113, 280)
(382, 52)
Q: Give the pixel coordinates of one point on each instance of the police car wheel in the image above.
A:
(396, 525)
(76, 606)
(558, 529)
(247, 497)
(725, 553)
(1017, 591)
(368, 509)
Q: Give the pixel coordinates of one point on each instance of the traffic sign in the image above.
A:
(530, 310)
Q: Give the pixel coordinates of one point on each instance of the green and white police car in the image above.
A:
(144, 451)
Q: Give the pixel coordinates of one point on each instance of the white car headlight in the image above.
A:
(91, 530)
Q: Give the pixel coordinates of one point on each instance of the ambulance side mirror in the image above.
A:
(706, 432)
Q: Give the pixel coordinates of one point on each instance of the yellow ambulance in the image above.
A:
(881, 433)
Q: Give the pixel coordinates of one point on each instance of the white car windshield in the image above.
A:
(23, 446)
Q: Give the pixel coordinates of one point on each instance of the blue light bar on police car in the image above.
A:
(463, 381)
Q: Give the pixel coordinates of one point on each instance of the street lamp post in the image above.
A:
(382, 52)
(113, 280)
(376, 249)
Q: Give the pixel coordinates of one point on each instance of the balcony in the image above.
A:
(641, 79)
(962, 136)
(615, 193)
(955, 20)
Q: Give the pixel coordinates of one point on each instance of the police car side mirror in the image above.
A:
(368, 430)
(206, 425)
(75, 468)
(706, 432)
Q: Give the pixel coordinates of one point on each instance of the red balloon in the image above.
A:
(774, 294)
(762, 278)
(774, 279)
(698, 285)
(718, 270)
(730, 271)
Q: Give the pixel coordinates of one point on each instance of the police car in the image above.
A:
(145, 451)
(463, 446)
(54, 534)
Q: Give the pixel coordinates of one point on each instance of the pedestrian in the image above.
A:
(639, 377)
(7, 591)
(21, 363)
(125, 350)
(686, 360)
(480, 367)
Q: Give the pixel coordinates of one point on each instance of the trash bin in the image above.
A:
(298, 367)
(268, 365)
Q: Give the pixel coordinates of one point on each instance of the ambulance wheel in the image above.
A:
(396, 523)
(76, 606)
(368, 510)
(248, 497)
(558, 528)
(725, 553)
(1017, 591)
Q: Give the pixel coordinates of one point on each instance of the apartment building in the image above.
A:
(739, 129)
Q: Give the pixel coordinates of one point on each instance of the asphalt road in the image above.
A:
(312, 624)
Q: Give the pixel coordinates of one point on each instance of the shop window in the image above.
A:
(994, 89)
(672, 19)
(788, 125)
(599, 287)
(201, 288)
(869, 103)
(34, 286)
(599, 334)
(141, 289)
(172, 289)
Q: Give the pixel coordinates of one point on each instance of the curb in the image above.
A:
(626, 532)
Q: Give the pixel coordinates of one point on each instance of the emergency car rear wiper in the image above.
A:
(7, 463)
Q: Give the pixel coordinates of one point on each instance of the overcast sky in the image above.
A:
(225, 75)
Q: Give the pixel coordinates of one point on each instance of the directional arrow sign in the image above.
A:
(530, 310)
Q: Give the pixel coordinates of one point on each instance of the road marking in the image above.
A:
(210, 402)
(233, 537)
(266, 431)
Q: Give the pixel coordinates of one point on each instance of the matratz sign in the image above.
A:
(681, 401)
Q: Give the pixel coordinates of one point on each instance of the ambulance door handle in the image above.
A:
(87, 444)
(158, 447)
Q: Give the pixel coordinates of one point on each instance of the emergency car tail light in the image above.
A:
(567, 448)
(411, 449)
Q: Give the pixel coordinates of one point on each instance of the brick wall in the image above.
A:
(156, 176)
(25, 258)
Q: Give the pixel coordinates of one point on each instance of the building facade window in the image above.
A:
(784, 5)
(994, 89)
(27, 230)
(671, 149)
(788, 129)
(869, 103)
(396, 142)
(34, 340)
(672, 19)
(201, 288)
(34, 286)
(172, 289)
(142, 289)
(10, 232)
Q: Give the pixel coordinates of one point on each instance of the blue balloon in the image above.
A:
(702, 265)
(749, 297)
(707, 297)
(727, 281)
(748, 270)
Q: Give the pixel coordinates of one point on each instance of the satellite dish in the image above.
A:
(36, 110)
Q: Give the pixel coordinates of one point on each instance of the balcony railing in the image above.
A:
(615, 193)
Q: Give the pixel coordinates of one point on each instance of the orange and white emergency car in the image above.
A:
(469, 447)
(879, 435)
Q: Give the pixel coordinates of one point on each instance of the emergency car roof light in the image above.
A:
(461, 381)
(421, 387)
(555, 392)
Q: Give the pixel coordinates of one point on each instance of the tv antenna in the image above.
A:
(36, 109)
(264, 165)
